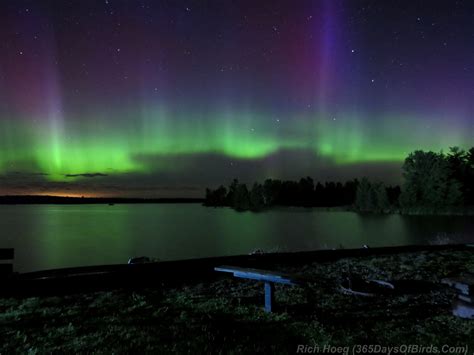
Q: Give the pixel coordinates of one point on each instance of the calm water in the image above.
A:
(61, 236)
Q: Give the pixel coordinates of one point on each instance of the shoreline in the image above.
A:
(103, 277)
(467, 211)
(65, 200)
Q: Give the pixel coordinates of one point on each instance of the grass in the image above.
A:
(226, 315)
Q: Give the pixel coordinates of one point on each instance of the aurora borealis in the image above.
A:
(162, 98)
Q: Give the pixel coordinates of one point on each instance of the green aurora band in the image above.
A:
(68, 147)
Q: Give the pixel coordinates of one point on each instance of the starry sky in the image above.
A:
(163, 98)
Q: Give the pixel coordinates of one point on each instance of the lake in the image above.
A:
(53, 236)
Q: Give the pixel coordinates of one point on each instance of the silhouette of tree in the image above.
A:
(470, 177)
(232, 190)
(271, 192)
(371, 197)
(432, 181)
(365, 199)
(381, 198)
(459, 169)
(428, 182)
(319, 195)
(216, 197)
(393, 194)
(288, 193)
(241, 198)
(349, 192)
(305, 192)
(257, 197)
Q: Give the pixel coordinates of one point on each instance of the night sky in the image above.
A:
(163, 98)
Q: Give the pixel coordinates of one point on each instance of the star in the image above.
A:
(352, 50)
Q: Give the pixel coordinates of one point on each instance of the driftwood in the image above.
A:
(366, 288)
(372, 288)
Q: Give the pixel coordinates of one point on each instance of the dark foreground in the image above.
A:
(226, 314)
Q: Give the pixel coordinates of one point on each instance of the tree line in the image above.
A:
(432, 182)
(274, 192)
(438, 181)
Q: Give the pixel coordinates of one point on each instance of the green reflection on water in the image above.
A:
(65, 236)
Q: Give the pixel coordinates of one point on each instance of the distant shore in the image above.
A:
(452, 211)
(64, 200)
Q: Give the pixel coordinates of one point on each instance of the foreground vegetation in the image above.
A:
(226, 315)
(434, 183)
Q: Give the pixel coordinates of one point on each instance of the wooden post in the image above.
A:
(269, 290)
(6, 269)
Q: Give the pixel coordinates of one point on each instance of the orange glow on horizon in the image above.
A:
(63, 194)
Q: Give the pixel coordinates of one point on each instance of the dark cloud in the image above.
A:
(86, 175)
(27, 173)
(212, 169)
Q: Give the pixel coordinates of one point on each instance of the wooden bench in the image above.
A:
(270, 278)
(6, 269)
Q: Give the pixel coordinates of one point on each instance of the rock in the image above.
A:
(139, 260)
(463, 309)
(464, 284)
(366, 288)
